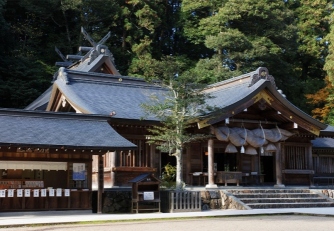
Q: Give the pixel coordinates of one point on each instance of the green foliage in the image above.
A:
(216, 39)
(22, 81)
(329, 66)
(182, 102)
(245, 34)
(168, 176)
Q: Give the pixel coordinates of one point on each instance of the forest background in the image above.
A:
(217, 39)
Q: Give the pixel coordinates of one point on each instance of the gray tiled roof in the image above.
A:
(59, 129)
(323, 143)
(99, 93)
(229, 92)
(96, 96)
(41, 102)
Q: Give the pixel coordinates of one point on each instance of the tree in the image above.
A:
(329, 39)
(244, 34)
(329, 68)
(182, 102)
(312, 24)
(323, 103)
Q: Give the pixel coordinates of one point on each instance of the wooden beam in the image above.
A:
(133, 169)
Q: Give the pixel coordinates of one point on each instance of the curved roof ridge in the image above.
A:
(231, 80)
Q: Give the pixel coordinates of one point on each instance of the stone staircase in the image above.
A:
(281, 198)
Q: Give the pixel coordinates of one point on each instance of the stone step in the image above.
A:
(265, 191)
(276, 195)
(283, 200)
(290, 205)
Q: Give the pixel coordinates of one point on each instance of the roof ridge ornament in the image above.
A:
(262, 73)
(98, 48)
(65, 62)
(62, 74)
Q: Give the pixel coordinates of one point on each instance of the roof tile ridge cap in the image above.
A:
(107, 76)
(231, 80)
(119, 83)
(54, 115)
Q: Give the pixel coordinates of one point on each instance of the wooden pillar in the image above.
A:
(100, 183)
(278, 166)
(153, 156)
(310, 164)
(112, 165)
(211, 176)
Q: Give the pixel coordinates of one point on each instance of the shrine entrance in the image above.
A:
(268, 169)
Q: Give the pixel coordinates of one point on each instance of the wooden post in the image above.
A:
(211, 173)
(112, 165)
(100, 183)
(153, 156)
(278, 154)
(310, 163)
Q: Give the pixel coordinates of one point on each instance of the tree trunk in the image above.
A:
(179, 178)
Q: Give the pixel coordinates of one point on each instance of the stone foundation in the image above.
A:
(328, 192)
(119, 201)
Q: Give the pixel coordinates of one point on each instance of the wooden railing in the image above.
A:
(184, 201)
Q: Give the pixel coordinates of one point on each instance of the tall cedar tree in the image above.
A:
(329, 67)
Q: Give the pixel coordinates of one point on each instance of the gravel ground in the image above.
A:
(240, 223)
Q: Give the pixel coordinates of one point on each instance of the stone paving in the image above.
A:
(52, 217)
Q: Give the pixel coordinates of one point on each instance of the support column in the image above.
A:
(100, 183)
(112, 165)
(310, 164)
(153, 156)
(278, 166)
(211, 176)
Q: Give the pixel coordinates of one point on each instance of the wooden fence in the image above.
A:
(184, 201)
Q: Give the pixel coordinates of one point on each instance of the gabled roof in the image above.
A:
(96, 93)
(323, 143)
(97, 58)
(46, 129)
(233, 96)
(144, 177)
(41, 102)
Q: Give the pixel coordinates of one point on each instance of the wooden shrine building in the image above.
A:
(46, 159)
(257, 135)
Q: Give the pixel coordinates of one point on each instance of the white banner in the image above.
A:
(36, 192)
(3, 193)
(51, 192)
(10, 192)
(67, 192)
(58, 192)
(19, 193)
(27, 193)
(43, 192)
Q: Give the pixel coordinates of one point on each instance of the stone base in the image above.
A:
(211, 186)
(279, 186)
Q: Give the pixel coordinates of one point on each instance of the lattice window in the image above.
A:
(296, 157)
(136, 158)
(323, 164)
